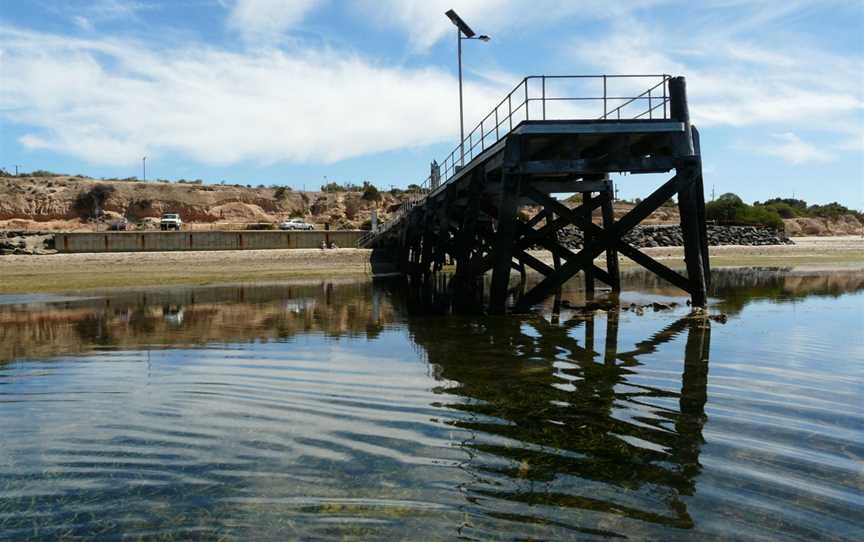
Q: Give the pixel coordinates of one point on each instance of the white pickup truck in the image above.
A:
(170, 221)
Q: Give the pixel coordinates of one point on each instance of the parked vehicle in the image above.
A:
(296, 224)
(170, 221)
(119, 225)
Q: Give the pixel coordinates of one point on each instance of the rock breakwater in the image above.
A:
(647, 236)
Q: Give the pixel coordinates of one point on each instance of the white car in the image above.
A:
(170, 221)
(296, 224)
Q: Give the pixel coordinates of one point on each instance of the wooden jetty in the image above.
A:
(548, 137)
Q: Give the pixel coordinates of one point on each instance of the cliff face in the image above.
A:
(66, 203)
(61, 202)
(842, 225)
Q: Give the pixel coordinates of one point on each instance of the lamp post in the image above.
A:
(463, 32)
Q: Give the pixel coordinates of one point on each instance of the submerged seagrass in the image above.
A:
(338, 410)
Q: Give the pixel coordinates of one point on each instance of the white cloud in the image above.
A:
(424, 23)
(266, 20)
(114, 9)
(743, 81)
(83, 23)
(790, 148)
(110, 101)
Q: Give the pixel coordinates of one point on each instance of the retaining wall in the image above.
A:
(157, 241)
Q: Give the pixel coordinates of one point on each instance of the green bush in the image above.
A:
(336, 187)
(370, 192)
(281, 192)
(831, 210)
(730, 209)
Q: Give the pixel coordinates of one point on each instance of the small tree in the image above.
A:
(281, 192)
(352, 206)
(370, 192)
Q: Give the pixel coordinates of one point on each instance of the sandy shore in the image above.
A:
(70, 272)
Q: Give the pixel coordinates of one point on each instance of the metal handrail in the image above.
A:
(485, 134)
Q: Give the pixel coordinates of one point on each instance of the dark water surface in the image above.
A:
(348, 411)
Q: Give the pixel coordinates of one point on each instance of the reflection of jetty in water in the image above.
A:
(570, 415)
(192, 316)
(565, 423)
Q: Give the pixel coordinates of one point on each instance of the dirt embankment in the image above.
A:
(842, 225)
(68, 203)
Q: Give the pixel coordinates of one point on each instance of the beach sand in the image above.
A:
(79, 272)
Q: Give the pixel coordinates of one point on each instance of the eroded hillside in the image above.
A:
(65, 202)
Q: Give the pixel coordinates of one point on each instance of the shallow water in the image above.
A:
(348, 410)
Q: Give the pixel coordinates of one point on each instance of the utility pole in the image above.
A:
(144, 169)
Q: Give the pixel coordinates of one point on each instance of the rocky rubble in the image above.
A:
(26, 242)
(647, 236)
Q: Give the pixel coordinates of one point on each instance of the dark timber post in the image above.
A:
(608, 223)
(587, 236)
(556, 258)
(690, 207)
(506, 230)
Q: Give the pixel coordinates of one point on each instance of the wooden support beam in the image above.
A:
(649, 263)
(688, 209)
(587, 242)
(654, 164)
(465, 239)
(550, 221)
(644, 208)
(506, 227)
(607, 238)
(611, 250)
(700, 201)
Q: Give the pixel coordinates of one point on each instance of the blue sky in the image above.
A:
(293, 91)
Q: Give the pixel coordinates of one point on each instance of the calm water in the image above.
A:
(349, 411)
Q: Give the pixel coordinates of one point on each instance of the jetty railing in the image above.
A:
(548, 97)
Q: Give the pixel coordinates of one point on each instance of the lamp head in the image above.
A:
(460, 24)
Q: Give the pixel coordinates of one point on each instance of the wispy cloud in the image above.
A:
(82, 22)
(424, 24)
(112, 101)
(745, 80)
(791, 148)
(258, 20)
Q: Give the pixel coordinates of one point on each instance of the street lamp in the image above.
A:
(462, 28)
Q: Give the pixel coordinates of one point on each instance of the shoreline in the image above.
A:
(56, 273)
